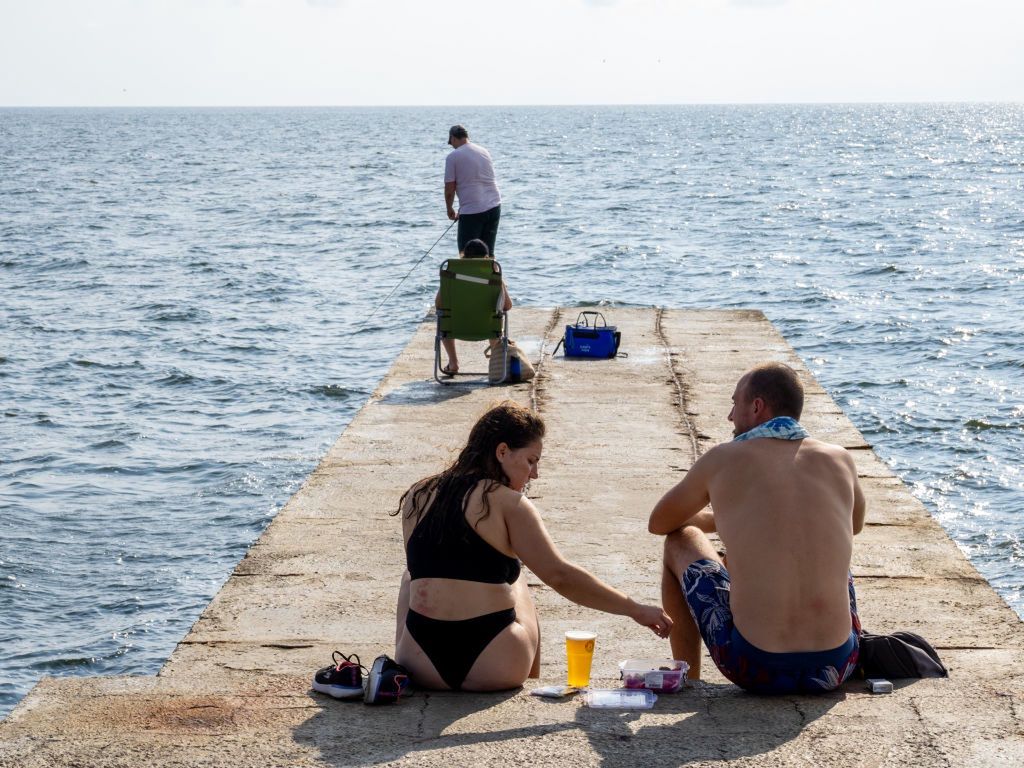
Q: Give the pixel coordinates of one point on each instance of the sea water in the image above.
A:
(179, 291)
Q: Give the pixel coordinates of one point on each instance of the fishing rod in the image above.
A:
(421, 258)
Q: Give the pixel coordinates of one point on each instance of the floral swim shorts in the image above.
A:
(706, 587)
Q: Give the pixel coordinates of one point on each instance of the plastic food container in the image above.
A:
(660, 675)
(617, 698)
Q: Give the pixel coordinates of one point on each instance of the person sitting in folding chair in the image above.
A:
(475, 249)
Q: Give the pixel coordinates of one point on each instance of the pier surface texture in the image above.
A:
(325, 575)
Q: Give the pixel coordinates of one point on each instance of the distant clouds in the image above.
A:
(325, 3)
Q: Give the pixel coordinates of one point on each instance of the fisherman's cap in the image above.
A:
(458, 132)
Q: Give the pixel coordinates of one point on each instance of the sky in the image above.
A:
(507, 52)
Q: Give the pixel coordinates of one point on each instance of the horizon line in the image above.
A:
(514, 105)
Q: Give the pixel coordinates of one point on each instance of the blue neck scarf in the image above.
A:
(779, 428)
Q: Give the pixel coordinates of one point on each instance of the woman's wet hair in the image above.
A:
(476, 249)
(508, 423)
(779, 386)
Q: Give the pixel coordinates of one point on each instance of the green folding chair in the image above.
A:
(472, 309)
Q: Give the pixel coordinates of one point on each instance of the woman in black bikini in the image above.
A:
(465, 616)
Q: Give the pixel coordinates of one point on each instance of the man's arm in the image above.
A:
(683, 504)
(449, 200)
(859, 504)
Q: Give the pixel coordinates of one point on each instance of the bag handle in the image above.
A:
(596, 315)
(499, 339)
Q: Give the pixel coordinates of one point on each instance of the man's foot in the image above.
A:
(387, 682)
(448, 370)
(344, 680)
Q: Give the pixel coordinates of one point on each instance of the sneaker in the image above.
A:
(387, 682)
(342, 681)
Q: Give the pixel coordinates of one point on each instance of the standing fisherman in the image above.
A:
(469, 173)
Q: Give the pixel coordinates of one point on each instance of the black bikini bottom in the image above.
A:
(453, 646)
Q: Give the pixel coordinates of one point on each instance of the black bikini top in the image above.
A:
(460, 553)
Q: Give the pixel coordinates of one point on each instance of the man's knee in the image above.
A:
(685, 546)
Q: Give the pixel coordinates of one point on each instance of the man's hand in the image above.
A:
(449, 200)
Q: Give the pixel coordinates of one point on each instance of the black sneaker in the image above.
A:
(387, 682)
(342, 681)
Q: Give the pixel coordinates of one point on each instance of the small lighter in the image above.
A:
(878, 685)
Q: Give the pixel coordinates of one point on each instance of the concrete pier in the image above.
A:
(325, 575)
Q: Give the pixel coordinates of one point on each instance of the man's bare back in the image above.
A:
(786, 509)
(783, 509)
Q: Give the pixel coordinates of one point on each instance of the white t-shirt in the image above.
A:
(472, 170)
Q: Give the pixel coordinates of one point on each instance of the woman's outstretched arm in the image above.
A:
(533, 545)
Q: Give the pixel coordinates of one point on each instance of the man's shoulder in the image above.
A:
(829, 459)
(821, 446)
(718, 456)
(475, 149)
(726, 457)
(732, 450)
(466, 153)
(728, 448)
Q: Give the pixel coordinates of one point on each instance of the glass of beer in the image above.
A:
(579, 651)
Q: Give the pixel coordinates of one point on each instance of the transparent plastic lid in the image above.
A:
(653, 665)
(619, 698)
(660, 675)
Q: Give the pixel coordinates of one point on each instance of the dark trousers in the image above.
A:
(482, 226)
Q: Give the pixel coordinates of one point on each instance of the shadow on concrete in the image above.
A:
(701, 724)
(429, 391)
(704, 723)
(350, 733)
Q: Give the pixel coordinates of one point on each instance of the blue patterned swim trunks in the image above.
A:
(706, 587)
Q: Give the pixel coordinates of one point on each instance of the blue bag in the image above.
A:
(586, 340)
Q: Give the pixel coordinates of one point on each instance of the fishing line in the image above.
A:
(421, 258)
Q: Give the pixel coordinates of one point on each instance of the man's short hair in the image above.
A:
(476, 249)
(458, 132)
(779, 386)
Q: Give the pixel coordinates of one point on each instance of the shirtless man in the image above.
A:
(783, 617)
